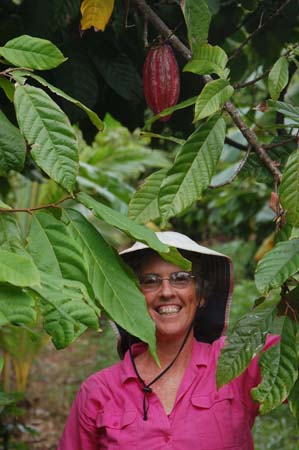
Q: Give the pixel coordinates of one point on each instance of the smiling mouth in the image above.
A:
(168, 309)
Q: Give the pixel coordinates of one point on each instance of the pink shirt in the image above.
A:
(107, 413)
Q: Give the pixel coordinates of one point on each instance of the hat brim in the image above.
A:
(211, 322)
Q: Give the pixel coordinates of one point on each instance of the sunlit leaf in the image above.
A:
(133, 229)
(208, 59)
(278, 77)
(12, 147)
(16, 306)
(116, 292)
(47, 129)
(212, 98)
(289, 189)
(144, 204)
(18, 270)
(246, 340)
(94, 118)
(277, 265)
(32, 52)
(288, 110)
(193, 168)
(279, 367)
(166, 112)
(197, 16)
(96, 13)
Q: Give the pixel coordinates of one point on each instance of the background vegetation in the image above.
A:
(85, 167)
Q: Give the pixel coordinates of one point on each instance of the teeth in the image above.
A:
(168, 309)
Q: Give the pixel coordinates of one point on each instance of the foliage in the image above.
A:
(238, 79)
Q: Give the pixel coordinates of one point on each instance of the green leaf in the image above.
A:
(12, 147)
(290, 111)
(279, 367)
(277, 265)
(144, 204)
(47, 129)
(197, 16)
(94, 118)
(116, 292)
(10, 235)
(16, 306)
(278, 77)
(166, 112)
(208, 59)
(68, 305)
(193, 168)
(293, 401)
(8, 88)
(246, 341)
(289, 189)
(18, 269)
(212, 98)
(32, 52)
(133, 229)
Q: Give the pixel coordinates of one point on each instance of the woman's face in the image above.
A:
(172, 309)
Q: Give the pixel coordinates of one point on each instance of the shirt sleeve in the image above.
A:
(80, 432)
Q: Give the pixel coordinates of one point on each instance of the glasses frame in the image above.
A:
(170, 279)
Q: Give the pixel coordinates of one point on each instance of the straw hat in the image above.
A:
(216, 269)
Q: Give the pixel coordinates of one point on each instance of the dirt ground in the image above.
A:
(54, 381)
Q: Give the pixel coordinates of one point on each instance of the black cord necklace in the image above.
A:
(146, 388)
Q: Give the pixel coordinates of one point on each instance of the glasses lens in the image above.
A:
(150, 281)
(180, 279)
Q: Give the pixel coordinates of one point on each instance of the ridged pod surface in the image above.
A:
(161, 79)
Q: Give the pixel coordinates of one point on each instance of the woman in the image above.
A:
(137, 405)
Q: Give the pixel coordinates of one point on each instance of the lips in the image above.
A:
(168, 309)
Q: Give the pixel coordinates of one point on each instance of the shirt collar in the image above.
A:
(200, 357)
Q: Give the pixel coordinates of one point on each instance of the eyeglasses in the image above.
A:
(178, 280)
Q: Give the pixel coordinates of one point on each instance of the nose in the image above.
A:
(166, 290)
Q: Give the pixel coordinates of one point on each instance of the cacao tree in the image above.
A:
(239, 88)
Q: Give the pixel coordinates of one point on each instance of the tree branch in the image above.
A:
(260, 27)
(249, 135)
(36, 208)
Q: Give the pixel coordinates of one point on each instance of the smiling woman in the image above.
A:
(136, 404)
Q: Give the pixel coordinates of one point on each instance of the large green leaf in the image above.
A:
(197, 16)
(212, 98)
(277, 265)
(278, 77)
(289, 189)
(133, 229)
(16, 306)
(91, 114)
(246, 340)
(115, 290)
(144, 204)
(12, 147)
(208, 59)
(67, 305)
(47, 129)
(193, 168)
(31, 52)
(18, 270)
(10, 236)
(279, 367)
(294, 401)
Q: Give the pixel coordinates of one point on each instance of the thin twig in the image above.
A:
(37, 208)
(6, 72)
(258, 29)
(281, 143)
(236, 144)
(234, 176)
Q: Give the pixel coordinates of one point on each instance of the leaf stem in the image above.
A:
(37, 208)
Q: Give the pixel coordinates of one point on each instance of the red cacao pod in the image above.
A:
(161, 79)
